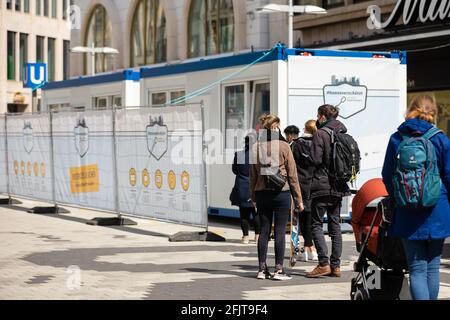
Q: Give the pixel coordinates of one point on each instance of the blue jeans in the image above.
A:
(424, 261)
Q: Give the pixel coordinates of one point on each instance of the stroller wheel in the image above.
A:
(361, 294)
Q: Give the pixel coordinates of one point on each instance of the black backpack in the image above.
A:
(345, 157)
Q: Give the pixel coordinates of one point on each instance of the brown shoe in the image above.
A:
(336, 273)
(319, 272)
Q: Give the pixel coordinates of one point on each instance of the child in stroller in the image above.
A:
(381, 265)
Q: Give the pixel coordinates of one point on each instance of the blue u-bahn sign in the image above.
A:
(35, 75)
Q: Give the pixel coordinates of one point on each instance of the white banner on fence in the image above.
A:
(29, 156)
(3, 171)
(83, 157)
(161, 172)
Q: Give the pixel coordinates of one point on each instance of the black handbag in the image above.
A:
(273, 178)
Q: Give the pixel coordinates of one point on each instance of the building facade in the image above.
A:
(147, 32)
(421, 27)
(31, 31)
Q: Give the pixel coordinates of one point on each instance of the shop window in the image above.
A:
(148, 34)
(18, 5)
(9, 4)
(443, 102)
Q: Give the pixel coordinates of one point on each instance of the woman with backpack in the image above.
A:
(240, 196)
(416, 173)
(273, 179)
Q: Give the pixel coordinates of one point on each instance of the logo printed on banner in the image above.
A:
(347, 94)
(157, 138)
(28, 137)
(82, 137)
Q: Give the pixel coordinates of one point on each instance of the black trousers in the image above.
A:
(305, 228)
(273, 206)
(332, 207)
(246, 213)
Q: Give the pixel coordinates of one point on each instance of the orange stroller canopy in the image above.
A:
(364, 213)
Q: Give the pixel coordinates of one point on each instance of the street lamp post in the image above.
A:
(291, 9)
(93, 51)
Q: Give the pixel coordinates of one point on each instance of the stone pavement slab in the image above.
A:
(46, 257)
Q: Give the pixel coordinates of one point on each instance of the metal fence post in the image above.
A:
(8, 186)
(115, 167)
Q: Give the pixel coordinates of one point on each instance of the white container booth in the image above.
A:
(121, 89)
(368, 87)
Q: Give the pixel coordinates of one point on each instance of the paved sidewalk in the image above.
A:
(60, 257)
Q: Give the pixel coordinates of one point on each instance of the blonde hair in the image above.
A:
(268, 121)
(311, 127)
(423, 107)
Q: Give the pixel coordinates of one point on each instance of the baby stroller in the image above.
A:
(381, 265)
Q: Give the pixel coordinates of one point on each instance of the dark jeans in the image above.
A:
(245, 220)
(305, 228)
(332, 207)
(272, 204)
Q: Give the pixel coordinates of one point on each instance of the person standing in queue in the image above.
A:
(326, 195)
(273, 179)
(301, 149)
(241, 196)
(423, 229)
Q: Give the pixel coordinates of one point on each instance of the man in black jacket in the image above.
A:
(326, 195)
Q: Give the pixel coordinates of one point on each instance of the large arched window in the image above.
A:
(211, 27)
(99, 35)
(148, 34)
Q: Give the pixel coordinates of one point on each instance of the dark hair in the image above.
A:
(292, 130)
(329, 111)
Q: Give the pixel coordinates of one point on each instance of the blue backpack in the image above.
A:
(417, 181)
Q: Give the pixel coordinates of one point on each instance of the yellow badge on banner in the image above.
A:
(172, 180)
(29, 168)
(84, 179)
(158, 179)
(133, 177)
(36, 169)
(145, 178)
(22, 168)
(43, 170)
(185, 181)
(16, 167)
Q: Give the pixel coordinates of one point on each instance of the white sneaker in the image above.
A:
(245, 240)
(315, 256)
(264, 275)
(281, 276)
(304, 257)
